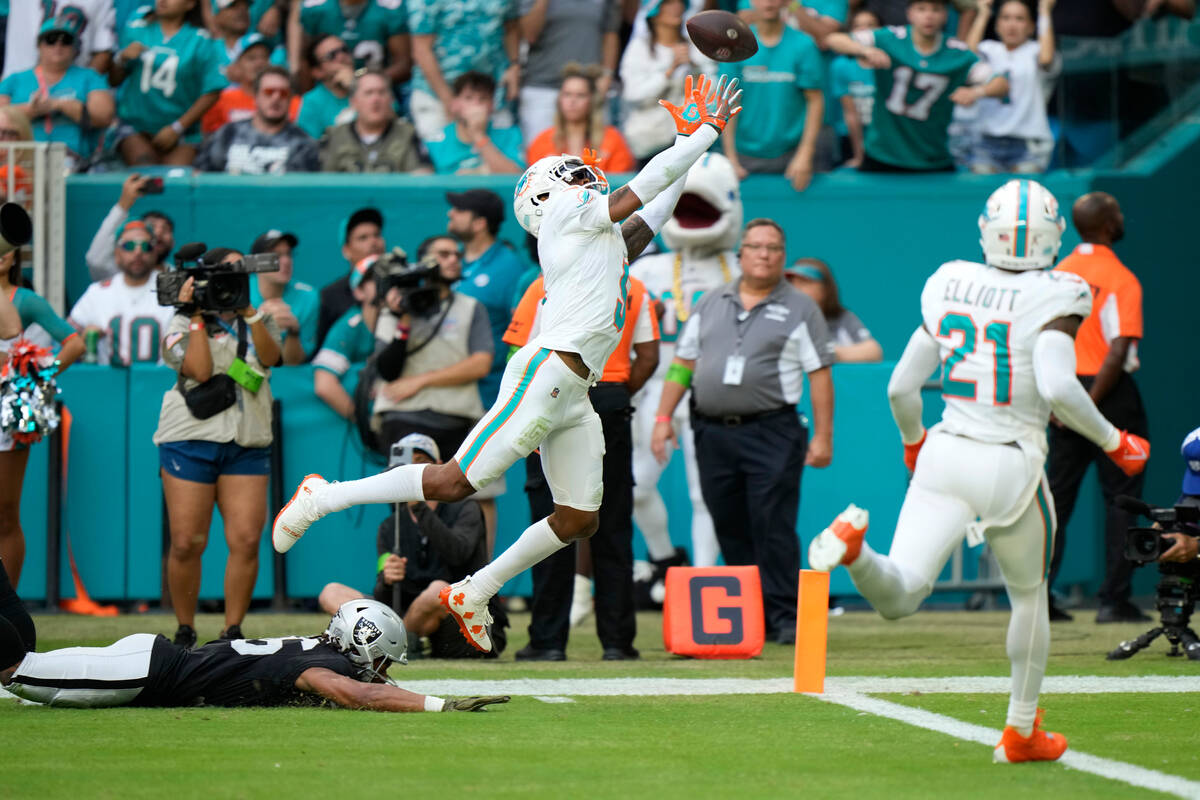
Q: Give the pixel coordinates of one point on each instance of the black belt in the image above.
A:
(733, 420)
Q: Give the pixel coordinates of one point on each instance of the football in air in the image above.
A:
(722, 36)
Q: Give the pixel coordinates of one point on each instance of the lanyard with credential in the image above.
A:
(735, 363)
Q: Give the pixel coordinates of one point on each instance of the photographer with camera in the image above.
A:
(424, 546)
(214, 429)
(436, 346)
(1185, 547)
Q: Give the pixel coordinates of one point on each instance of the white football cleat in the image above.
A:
(300, 512)
(841, 542)
(470, 610)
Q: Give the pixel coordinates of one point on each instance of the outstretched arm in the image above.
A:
(918, 362)
(1054, 370)
(699, 123)
(641, 228)
(349, 693)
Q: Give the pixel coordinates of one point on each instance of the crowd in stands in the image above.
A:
(489, 86)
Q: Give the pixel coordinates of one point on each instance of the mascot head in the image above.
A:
(708, 217)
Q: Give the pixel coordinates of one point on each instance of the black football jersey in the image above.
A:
(240, 672)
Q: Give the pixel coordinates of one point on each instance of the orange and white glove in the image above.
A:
(911, 451)
(687, 116)
(1131, 454)
(722, 105)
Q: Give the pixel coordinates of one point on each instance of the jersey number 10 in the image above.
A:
(996, 334)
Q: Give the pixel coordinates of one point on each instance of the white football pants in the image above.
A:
(86, 677)
(959, 480)
(649, 510)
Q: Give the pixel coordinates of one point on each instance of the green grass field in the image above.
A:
(761, 745)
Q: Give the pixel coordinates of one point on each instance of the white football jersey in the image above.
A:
(130, 316)
(25, 17)
(583, 258)
(986, 321)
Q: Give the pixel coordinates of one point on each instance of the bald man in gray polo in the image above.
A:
(744, 353)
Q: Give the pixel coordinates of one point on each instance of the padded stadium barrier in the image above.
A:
(713, 612)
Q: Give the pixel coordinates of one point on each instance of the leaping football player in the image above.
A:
(586, 238)
(1003, 336)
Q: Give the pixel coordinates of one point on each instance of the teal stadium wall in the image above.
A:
(882, 236)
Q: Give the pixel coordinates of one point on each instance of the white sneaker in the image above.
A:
(841, 542)
(470, 611)
(300, 512)
(582, 603)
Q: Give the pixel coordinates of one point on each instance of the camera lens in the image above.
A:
(225, 291)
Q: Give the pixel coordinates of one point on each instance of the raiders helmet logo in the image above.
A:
(366, 632)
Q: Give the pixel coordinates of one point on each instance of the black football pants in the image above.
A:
(1070, 457)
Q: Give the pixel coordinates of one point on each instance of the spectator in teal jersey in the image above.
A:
(920, 75)
(171, 75)
(64, 102)
(229, 22)
(292, 303)
(451, 38)
(782, 103)
(328, 103)
(490, 270)
(471, 144)
(351, 340)
(376, 31)
(852, 87)
(39, 323)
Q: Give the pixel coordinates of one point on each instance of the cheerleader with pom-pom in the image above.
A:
(27, 394)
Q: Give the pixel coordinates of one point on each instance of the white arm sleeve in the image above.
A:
(918, 362)
(99, 256)
(672, 164)
(1054, 369)
(656, 213)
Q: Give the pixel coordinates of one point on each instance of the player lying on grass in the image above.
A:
(1004, 337)
(543, 401)
(346, 665)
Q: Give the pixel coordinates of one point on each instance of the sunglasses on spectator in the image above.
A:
(130, 246)
(58, 37)
(335, 52)
(9, 134)
(276, 92)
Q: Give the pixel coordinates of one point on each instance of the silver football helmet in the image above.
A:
(366, 630)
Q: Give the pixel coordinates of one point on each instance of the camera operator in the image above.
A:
(438, 345)
(214, 440)
(424, 548)
(1187, 548)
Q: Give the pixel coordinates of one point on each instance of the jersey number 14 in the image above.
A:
(995, 334)
(163, 78)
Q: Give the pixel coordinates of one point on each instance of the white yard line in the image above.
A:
(1104, 767)
(853, 692)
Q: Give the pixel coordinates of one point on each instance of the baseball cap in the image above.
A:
(1191, 454)
(403, 450)
(254, 39)
(366, 214)
(134, 225)
(221, 5)
(361, 269)
(64, 24)
(482, 202)
(804, 271)
(266, 242)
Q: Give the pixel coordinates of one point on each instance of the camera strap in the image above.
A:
(437, 326)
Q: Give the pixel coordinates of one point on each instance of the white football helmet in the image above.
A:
(547, 176)
(1020, 227)
(366, 630)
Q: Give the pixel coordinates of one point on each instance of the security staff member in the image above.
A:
(1105, 357)
(744, 352)
(627, 370)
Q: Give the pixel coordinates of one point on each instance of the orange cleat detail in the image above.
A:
(1040, 745)
(458, 599)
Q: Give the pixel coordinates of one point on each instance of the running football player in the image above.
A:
(346, 665)
(1003, 335)
(584, 250)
